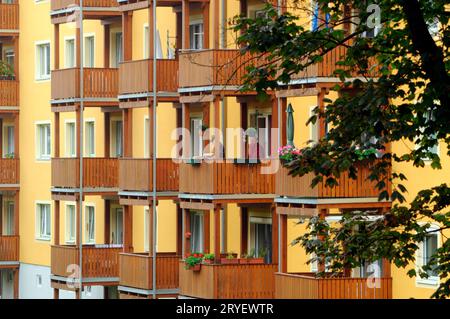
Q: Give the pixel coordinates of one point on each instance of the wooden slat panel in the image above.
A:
(9, 248)
(9, 16)
(9, 170)
(97, 261)
(9, 93)
(287, 185)
(63, 4)
(225, 178)
(295, 286)
(65, 83)
(228, 281)
(65, 172)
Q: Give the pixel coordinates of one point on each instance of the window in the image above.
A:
(70, 53)
(261, 237)
(43, 221)
(197, 222)
(8, 218)
(116, 235)
(9, 58)
(8, 141)
(426, 250)
(117, 138)
(196, 137)
(146, 44)
(196, 36)
(43, 61)
(90, 224)
(43, 141)
(261, 123)
(90, 138)
(70, 224)
(70, 139)
(89, 51)
(147, 230)
(117, 58)
(313, 127)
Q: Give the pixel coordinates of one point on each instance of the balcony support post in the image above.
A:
(16, 57)
(128, 132)
(56, 223)
(127, 23)
(216, 28)
(78, 225)
(1, 137)
(283, 120)
(186, 25)
(207, 232)
(1, 216)
(186, 153)
(78, 133)
(179, 230)
(275, 247)
(206, 116)
(107, 122)
(16, 213)
(283, 243)
(55, 293)
(16, 283)
(217, 209)
(205, 13)
(78, 46)
(321, 104)
(187, 229)
(244, 230)
(106, 46)
(150, 231)
(244, 121)
(128, 229)
(275, 125)
(16, 135)
(321, 263)
(57, 129)
(107, 221)
(56, 46)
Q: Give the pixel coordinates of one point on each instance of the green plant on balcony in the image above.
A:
(230, 259)
(288, 153)
(208, 258)
(193, 261)
(6, 71)
(10, 155)
(363, 154)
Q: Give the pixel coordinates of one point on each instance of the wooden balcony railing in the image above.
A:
(9, 16)
(64, 4)
(225, 178)
(306, 286)
(9, 170)
(98, 261)
(98, 172)
(328, 65)
(98, 83)
(228, 281)
(136, 271)
(137, 175)
(9, 93)
(9, 248)
(214, 67)
(136, 76)
(287, 185)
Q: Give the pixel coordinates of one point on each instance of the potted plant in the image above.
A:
(208, 259)
(246, 258)
(262, 253)
(288, 153)
(193, 261)
(6, 71)
(229, 260)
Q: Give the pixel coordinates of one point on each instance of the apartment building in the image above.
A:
(137, 226)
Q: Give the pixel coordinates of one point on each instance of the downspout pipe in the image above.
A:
(80, 206)
(155, 103)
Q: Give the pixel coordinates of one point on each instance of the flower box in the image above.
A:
(229, 261)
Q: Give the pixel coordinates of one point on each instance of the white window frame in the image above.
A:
(39, 156)
(87, 138)
(5, 141)
(87, 239)
(8, 223)
(38, 76)
(201, 238)
(147, 231)
(430, 282)
(112, 136)
(70, 223)
(38, 235)
(114, 59)
(199, 138)
(194, 23)
(86, 37)
(66, 53)
(313, 137)
(67, 142)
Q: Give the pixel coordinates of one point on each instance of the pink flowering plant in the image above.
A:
(288, 153)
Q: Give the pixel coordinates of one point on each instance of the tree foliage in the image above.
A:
(400, 95)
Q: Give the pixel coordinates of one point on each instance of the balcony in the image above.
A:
(136, 271)
(9, 93)
(9, 171)
(99, 173)
(137, 175)
(98, 261)
(228, 281)
(100, 84)
(225, 178)
(135, 77)
(64, 4)
(9, 17)
(306, 286)
(287, 185)
(218, 69)
(9, 250)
